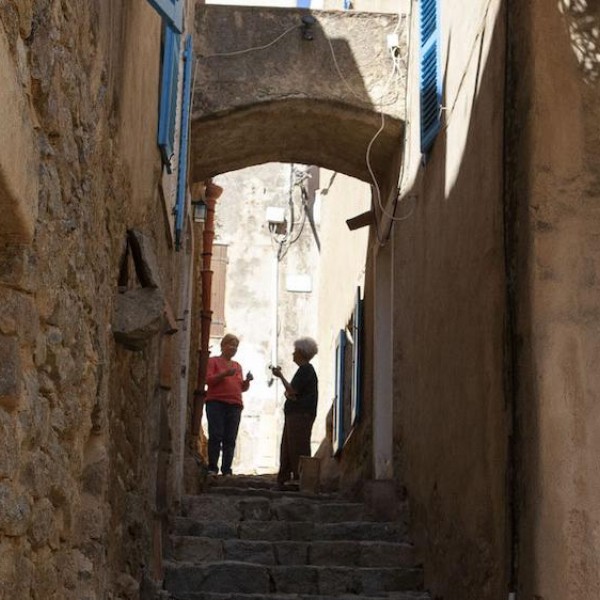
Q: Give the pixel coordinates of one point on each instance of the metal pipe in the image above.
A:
(213, 193)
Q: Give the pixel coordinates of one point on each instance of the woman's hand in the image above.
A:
(229, 373)
(276, 372)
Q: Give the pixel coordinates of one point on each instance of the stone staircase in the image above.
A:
(242, 540)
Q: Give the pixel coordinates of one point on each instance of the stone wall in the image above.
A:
(554, 189)
(283, 95)
(80, 416)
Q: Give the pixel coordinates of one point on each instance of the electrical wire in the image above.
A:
(392, 77)
(254, 48)
(395, 70)
(478, 38)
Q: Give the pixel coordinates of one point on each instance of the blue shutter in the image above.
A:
(429, 72)
(338, 403)
(303, 3)
(168, 95)
(184, 142)
(356, 398)
(171, 11)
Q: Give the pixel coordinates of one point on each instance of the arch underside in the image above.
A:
(331, 135)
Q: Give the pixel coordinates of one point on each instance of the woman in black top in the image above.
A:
(300, 409)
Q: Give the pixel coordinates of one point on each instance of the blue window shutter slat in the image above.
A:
(303, 4)
(338, 403)
(171, 11)
(357, 329)
(184, 143)
(168, 96)
(429, 75)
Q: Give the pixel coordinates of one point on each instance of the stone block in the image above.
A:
(380, 496)
(18, 158)
(236, 577)
(211, 508)
(293, 510)
(338, 580)
(263, 530)
(257, 552)
(256, 509)
(217, 529)
(334, 553)
(309, 470)
(15, 512)
(138, 317)
(295, 580)
(9, 445)
(291, 553)
(144, 257)
(197, 550)
(10, 372)
(42, 523)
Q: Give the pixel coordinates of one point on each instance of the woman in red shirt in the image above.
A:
(225, 384)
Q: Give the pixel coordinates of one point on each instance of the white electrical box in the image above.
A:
(298, 283)
(275, 215)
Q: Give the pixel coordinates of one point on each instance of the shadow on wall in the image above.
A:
(260, 99)
(582, 17)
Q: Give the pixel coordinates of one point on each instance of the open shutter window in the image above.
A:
(338, 403)
(181, 204)
(356, 398)
(171, 11)
(429, 72)
(168, 95)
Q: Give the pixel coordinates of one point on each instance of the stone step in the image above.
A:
(291, 530)
(289, 491)
(231, 576)
(238, 596)
(198, 550)
(211, 507)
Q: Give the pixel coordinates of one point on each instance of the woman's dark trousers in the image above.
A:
(223, 424)
(295, 442)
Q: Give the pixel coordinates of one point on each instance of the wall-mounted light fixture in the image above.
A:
(307, 27)
(198, 211)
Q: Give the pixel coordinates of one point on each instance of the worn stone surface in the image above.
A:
(145, 258)
(79, 167)
(288, 102)
(286, 556)
(10, 373)
(138, 317)
(18, 155)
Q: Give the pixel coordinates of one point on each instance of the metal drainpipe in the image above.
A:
(213, 193)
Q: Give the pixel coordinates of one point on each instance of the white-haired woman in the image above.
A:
(300, 409)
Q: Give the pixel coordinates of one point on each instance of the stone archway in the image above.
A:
(264, 92)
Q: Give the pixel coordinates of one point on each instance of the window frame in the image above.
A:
(169, 93)
(337, 438)
(171, 12)
(430, 79)
(357, 335)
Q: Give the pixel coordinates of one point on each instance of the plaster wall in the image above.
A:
(83, 422)
(554, 189)
(342, 265)
(450, 417)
